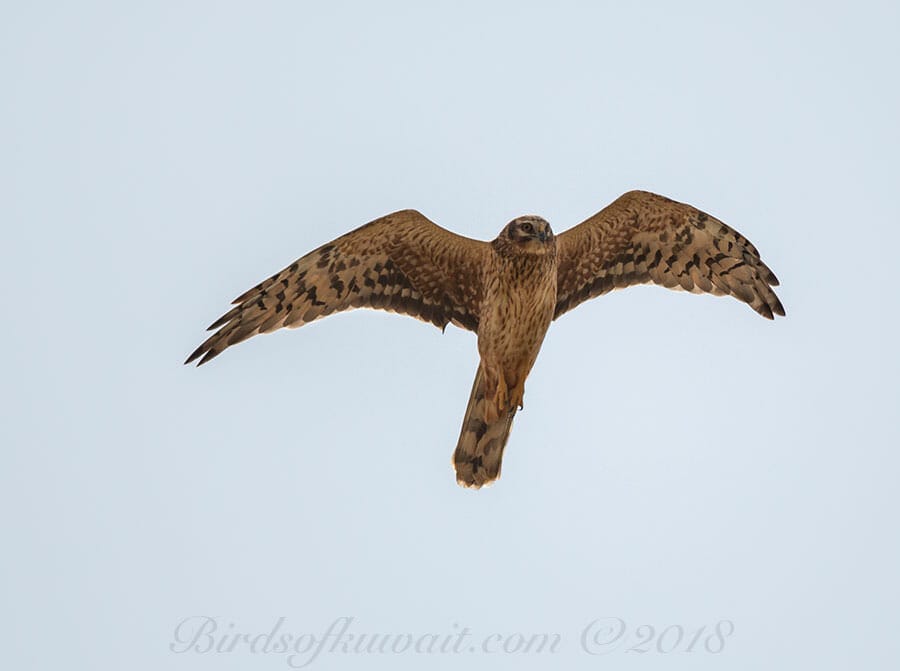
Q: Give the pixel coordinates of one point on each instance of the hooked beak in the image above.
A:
(542, 236)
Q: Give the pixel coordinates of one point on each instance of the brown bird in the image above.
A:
(507, 291)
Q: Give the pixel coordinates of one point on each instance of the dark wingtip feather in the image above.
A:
(211, 354)
(224, 319)
(197, 352)
(205, 351)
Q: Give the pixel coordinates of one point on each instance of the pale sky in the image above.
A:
(680, 464)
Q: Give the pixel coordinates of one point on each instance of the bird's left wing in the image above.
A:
(402, 262)
(642, 237)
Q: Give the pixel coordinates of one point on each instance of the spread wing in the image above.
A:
(401, 262)
(642, 237)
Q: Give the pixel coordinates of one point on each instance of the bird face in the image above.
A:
(531, 233)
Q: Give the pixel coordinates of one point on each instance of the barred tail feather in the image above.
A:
(480, 447)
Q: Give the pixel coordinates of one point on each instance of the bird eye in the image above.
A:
(527, 227)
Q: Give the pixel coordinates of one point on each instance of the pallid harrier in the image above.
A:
(506, 291)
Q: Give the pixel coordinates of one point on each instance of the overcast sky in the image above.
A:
(684, 471)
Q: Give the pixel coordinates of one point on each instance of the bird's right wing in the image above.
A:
(402, 262)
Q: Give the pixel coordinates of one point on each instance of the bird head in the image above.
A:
(530, 233)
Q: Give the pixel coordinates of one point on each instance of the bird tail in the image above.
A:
(480, 448)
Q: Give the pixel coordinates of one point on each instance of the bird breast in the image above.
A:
(519, 302)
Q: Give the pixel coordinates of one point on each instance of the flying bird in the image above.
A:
(507, 291)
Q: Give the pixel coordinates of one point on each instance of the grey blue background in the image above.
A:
(679, 461)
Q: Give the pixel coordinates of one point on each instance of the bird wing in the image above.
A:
(644, 238)
(402, 262)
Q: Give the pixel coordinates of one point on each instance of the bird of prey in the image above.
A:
(506, 291)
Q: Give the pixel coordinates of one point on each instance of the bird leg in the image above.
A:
(502, 394)
(496, 402)
(518, 395)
